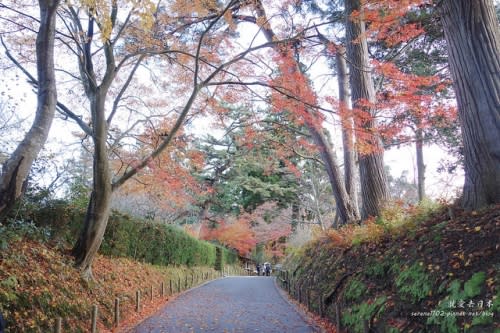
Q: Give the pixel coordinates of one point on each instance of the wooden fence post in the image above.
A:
(138, 301)
(366, 326)
(93, 328)
(171, 290)
(308, 295)
(151, 293)
(321, 306)
(117, 312)
(337, 316)
(162, 289)
(58, 325)
(179, 285)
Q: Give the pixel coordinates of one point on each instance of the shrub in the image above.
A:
(142, 240)
(354, 290)
(472, 288)
(15, 230)
(355, 317)
(159, 244)
(413, 283)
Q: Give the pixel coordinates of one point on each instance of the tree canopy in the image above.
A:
(218, 114)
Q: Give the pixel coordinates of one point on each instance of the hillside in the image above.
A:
(433, 273)
(38, 283)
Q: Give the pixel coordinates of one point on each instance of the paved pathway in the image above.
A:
(232, 304)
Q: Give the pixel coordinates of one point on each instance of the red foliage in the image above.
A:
(410, 101)
(294, 93)
(235, 234)
(266, 225)
(168, 178)
(386, 20)
(405, 100)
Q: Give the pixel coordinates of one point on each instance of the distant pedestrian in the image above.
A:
(257, 267)
(267, 267)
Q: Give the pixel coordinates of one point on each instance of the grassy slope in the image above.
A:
(392, 280)
(38, 284)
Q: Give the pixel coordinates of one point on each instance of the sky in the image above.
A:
(398, 159)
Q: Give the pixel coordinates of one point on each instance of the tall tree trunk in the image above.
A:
(98, 210)
(419, 148)
(345, 209)
(316, 196)
(295, 215)
(473, 37)
(96, 219)
(347, 128)
(16, 169)
(374, 189)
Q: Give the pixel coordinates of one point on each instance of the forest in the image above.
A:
(195, 135)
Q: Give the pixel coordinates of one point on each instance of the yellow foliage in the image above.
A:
(368, 231)
(395, 218)
(101, 12)
(341, 237)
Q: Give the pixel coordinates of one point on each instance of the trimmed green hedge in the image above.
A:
(142, 240)
(158, 244)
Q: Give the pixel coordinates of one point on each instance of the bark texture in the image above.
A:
(374, 189)
(345, 208)
(473, 37)
(96, 219)
(350, 175)
(16, 169)
(419, 150)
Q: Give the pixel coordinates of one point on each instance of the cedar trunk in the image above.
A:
(345, 209)
(16, 169)
(374, 189)
(347, 128)
(419, 149)
(473, 38)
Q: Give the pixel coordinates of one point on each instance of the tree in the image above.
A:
(146, 42)
(346, 114)
(249, 166)
(16, 168)
(413, 82)
(296, 95)
(317, 203)
(374, 191)
(473, 37)
(194, 45)
(166, 190)
(233, 233)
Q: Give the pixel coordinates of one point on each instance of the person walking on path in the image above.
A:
(267, 268)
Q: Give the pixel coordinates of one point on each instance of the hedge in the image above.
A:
(142, 240)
